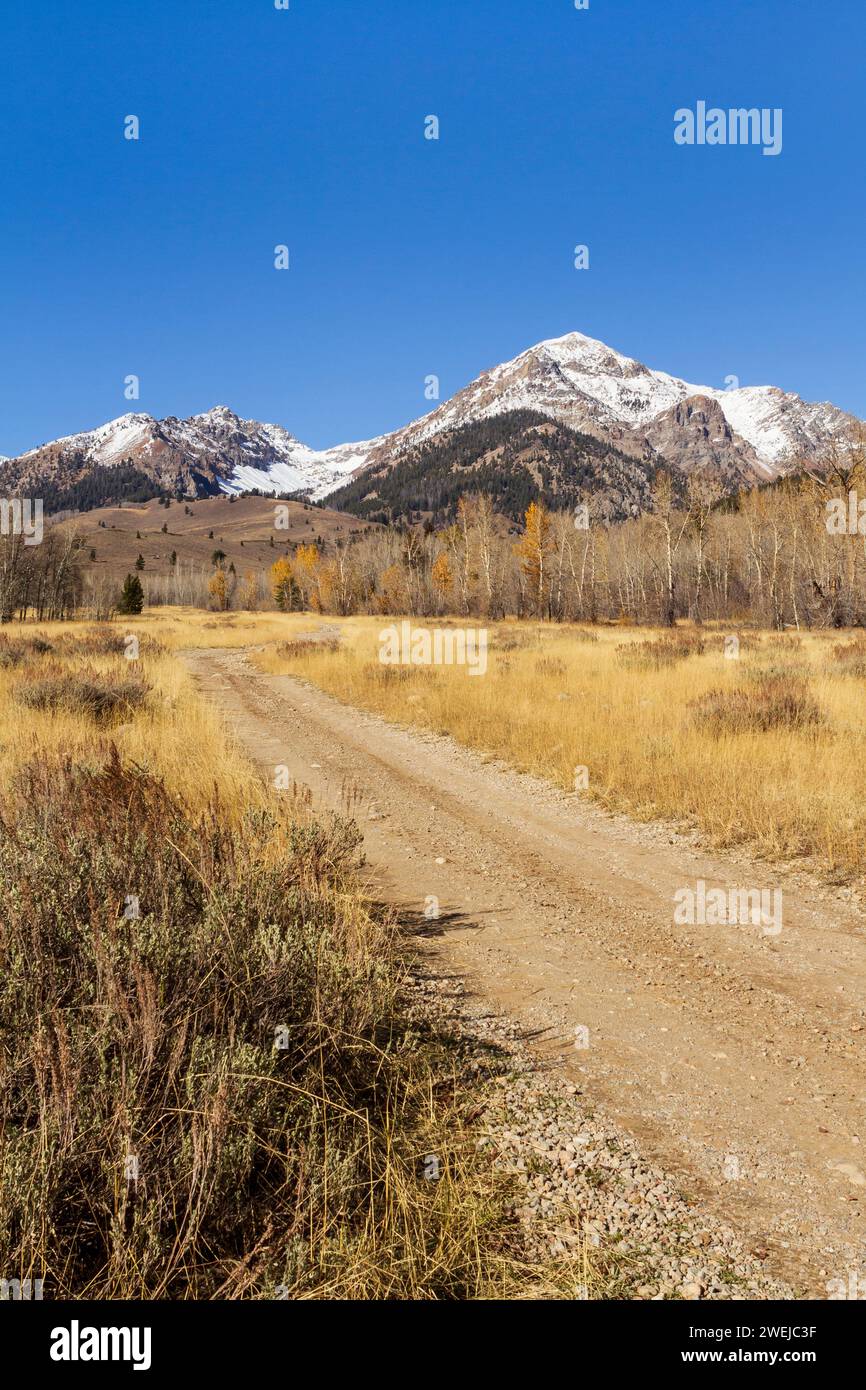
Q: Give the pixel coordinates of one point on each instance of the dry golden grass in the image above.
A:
(174, 734)
(767, 750)
(179, 628)
(297, 1171)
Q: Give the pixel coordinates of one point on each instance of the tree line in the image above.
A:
(790, 554)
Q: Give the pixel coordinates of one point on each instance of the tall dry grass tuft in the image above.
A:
(661, 651)
(213, 1082)
(209, 1088)
(769, 702)
(851, 658)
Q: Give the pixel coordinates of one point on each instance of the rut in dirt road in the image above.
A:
(733, 1054)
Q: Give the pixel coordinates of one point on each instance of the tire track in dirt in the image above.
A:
(719, 1049)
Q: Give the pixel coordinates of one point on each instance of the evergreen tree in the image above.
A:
(139, 564)
(131, 595)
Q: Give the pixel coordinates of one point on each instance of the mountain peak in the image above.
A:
(746, 435)
(217, 412)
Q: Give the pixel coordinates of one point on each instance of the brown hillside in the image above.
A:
(241, 529)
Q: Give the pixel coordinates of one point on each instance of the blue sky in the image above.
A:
(409, 256)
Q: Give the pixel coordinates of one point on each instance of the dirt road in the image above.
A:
(734, 1057)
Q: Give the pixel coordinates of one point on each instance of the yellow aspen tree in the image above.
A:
(533, 550)
(250, 591)
(218, 588)
(442, 577)
(283, 586)
(392, 590)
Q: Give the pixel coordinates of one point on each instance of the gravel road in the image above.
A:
(696, 1093)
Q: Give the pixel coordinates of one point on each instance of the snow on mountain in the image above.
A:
(207, 453)
(589, 386)
(756, 432)
(317, 471)
(104, 444)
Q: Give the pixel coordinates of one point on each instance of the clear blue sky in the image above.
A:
(409, 256)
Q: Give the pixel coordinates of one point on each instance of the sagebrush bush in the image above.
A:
(513, 639)
(105, 697)
(550, 666)
(380, 673)
(302, 648)
(14, 651)
(768, 702)
(105, 640)
(850, 659)
(202, 1058)
(661, 651)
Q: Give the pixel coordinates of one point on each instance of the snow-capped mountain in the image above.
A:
(751, 433)
(746, 435)
(204, 454)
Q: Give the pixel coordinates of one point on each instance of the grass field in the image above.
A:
(211, 1085)
(766, 748)
(149, 1037)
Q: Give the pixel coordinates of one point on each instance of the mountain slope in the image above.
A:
(197, 457)
(744, 436)
(514, 459)
(752, 436)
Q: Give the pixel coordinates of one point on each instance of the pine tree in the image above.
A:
(139, 564)
(131, 595)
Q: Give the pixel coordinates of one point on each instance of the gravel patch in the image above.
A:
(586, 1201)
